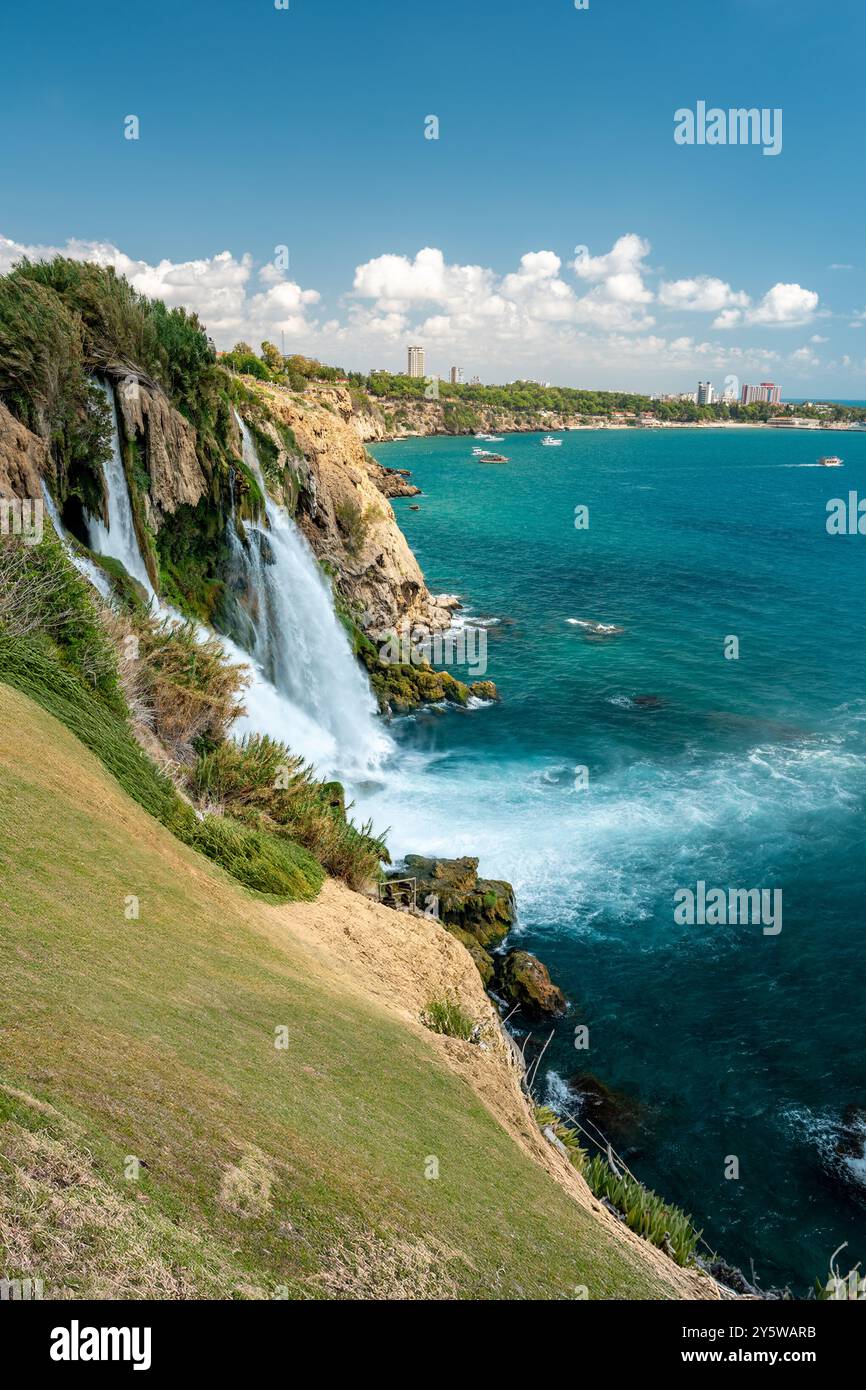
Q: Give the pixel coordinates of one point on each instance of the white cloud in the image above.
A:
(705, 294)
(586, 321)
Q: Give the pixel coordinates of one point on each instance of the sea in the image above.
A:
(680, 649)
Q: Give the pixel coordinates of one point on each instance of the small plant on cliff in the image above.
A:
(354, 523)
(546, 1118)
(644, 1212)
(193, 690)
(446, 1016)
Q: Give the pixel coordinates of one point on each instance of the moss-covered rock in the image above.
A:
(523, 979)
(482, 958)
(483, 908)
(484, 690)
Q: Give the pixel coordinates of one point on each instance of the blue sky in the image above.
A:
(305, 128)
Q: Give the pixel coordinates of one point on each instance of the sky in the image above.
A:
(283, 185)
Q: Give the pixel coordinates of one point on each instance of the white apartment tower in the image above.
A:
(416, 361)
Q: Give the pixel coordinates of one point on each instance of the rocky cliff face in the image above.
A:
(340, 498)
(347, 518)
(166, 442)
(23, 458)
(381, 420)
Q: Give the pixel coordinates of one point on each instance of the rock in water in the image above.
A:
(522, 979)
(483, 907)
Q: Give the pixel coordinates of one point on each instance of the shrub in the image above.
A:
(45, 600)
(260, 781)
(354, 523)
(193, 690)
(266, 863)
(446, 1016)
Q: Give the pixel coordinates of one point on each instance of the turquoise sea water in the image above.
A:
(741, 773)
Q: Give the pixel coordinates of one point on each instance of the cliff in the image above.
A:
(345, 513)
(379, 419)
(23, 458)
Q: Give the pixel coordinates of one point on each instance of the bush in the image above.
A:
(45, 600)
(261, 782)
(265, 863)
(445, 1016)
(193, 690)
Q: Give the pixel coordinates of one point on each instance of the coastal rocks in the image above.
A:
(23, 458)
(522, 979)
(484, 690)
(393, 482)
(483, 908)
(612, 1111)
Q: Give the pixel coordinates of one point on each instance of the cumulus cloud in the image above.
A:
(586, 318)
(783, 306)
(704, 294)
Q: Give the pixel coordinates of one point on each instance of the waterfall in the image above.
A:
(118, 538)
(300, 646)
(306, 687)
(84, 566)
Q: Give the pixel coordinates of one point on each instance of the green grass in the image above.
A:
(445, 1016)
(266, 1171)
(263, 862)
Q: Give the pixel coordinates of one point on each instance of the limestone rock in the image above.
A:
(167, 441)
(23, 458)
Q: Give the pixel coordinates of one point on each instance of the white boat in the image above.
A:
(550, 443)
(829, 461)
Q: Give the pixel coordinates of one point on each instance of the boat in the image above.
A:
(484, 457)
(550, 443)
(829, 461)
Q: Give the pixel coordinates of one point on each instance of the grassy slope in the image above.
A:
(270, 1173)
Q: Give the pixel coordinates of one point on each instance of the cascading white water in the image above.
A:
(300, 646)
(306, 688)
(84, 566)
(118, 539)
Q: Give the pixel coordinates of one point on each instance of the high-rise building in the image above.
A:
(768, 393)
(456, 376)
(706, 394)
(416, 361)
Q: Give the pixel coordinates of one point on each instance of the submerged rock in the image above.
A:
(523, 979)
(612, 1111)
